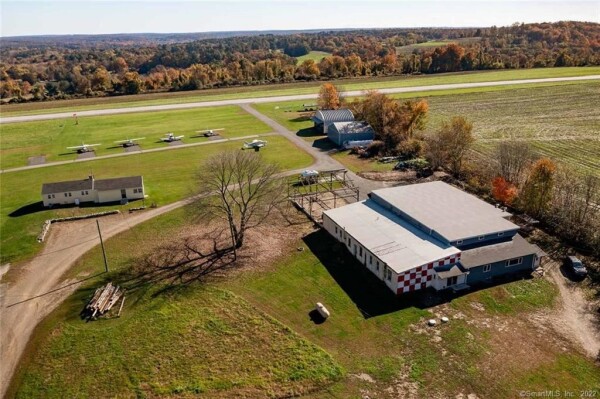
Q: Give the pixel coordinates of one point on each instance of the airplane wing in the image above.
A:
(76, 147)
(180, 137)
(92, 145)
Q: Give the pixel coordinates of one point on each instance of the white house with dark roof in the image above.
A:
(323, 119)
(431, 235)
(93, 190)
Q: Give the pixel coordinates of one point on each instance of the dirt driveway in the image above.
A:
(36, 288)
(576, 318)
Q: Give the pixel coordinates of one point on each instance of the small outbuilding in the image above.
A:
(342, 133)
(323, 119)
(92, 190)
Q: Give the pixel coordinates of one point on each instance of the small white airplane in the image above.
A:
(208, 132)
(83, 148)
(129, 142)
(256, 144)
(170, 137)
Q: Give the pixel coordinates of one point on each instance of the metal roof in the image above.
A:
(333, 115)
(66, 186)
(118, 183)
(92, 184)
(395, 241)
(487, 254)
(453, 272)
(353, 127)
(450, 212)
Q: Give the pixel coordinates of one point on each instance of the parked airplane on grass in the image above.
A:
(256, 144)
(208, 132)
(170, 137)
(129, 142)
(83, 148)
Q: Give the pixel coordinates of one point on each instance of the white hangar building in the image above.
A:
(431, 235)
(92, 190)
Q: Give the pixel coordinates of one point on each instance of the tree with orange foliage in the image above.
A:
(537, 192)
(329, 97)
(503, 190)
(414, 116)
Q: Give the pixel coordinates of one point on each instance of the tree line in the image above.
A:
(35, 71)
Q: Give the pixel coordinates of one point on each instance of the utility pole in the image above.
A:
(102, 245)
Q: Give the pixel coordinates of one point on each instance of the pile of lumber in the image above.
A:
(103, 300)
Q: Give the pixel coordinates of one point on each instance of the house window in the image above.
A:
(360, 251)
(459, 242)
(377, 265)
(49, 196)
(480, 238)
(514, 262)
(388, 275)
(348, 241)
(371, 259)
(66, 195)
(84, 192)
(500, 234)
(335, 229)
(487, 268)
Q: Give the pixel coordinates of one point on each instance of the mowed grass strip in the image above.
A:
(168, 177)
(369, 83)
(51, 138)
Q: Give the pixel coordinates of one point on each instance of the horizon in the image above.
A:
(114, 18)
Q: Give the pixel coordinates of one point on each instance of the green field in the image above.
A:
(219, 339)
(19, 141)
(168, 176)
(288, 89)
(559, 120)
(434, 43)
(317, 56)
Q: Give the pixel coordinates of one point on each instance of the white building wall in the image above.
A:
(69, 197)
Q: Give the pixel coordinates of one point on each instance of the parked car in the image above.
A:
(576, 266)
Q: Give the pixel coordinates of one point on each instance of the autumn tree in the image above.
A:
(240, 188)
(503, 190)
(414, 116)
(392, 122)
(450, 144)
(329, 97)
(513, 158)
(537, 191)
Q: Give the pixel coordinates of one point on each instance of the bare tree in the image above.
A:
(514, 159)
(450, 144)
(240, 188)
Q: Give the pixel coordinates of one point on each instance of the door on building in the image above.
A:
(123, 194)
(452, 281)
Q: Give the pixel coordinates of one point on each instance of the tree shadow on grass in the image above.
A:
(178, 264)
(371, 295)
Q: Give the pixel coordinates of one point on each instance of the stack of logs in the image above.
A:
(104, 299)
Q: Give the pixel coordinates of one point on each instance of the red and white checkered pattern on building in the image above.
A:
(421, 277)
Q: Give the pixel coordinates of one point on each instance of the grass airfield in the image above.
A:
(19, 141)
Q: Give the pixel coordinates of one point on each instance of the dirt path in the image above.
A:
(575, 318)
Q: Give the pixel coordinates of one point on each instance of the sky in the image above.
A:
(24, 17)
